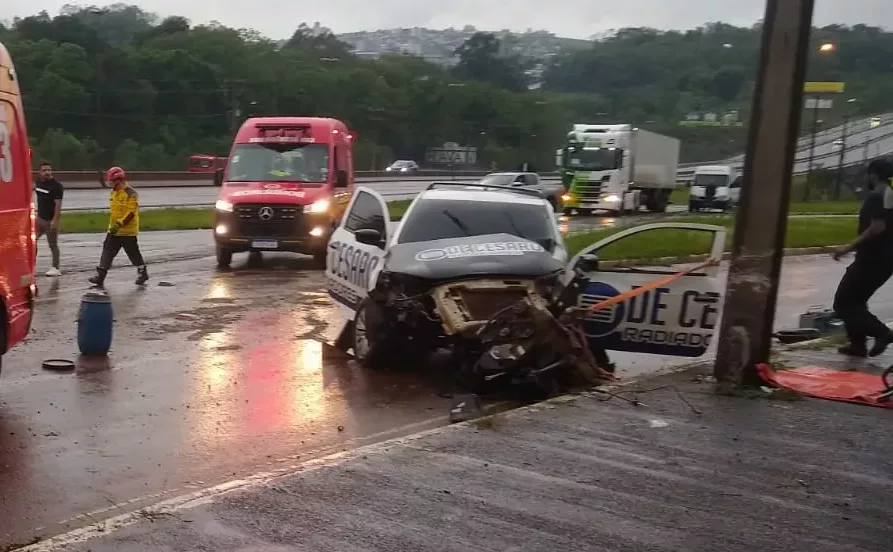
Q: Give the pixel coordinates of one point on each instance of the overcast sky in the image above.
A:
(572, 18)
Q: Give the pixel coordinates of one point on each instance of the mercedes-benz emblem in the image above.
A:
(265, 213)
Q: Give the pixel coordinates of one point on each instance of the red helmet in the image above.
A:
(115, 173)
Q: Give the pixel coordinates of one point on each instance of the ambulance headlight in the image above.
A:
(611, 198)
(317, 207)
(223, 205)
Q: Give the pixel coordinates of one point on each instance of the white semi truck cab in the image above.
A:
(617, 168)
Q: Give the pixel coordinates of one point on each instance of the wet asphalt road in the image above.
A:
(219, 376)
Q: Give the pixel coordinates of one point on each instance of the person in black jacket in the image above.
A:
(49, 210)
(871, 268)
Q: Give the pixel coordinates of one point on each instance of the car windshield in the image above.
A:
(498, 179)
(437, 219)
(402, 164)
(307, 164)
(711, 180)
(594, 159)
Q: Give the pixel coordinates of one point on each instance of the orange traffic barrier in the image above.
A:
(610, 302)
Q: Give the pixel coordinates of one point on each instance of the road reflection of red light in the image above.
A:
(285, 384)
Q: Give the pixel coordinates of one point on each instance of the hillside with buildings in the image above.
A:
(438, 46)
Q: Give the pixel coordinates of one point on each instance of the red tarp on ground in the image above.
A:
(824, 383)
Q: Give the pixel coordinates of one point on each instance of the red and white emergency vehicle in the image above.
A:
(285, 187)
(17, 239)
(202, 163)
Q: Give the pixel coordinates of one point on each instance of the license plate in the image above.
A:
(589, 205)
(265, 244)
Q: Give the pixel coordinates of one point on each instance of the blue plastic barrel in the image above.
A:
(95, 321)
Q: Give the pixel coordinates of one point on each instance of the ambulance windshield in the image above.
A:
(279, 163)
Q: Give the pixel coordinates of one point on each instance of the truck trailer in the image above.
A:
(617, 168)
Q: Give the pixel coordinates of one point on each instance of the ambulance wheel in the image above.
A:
(568, 211)
(368, 344)
(584, 212)
(224, 257)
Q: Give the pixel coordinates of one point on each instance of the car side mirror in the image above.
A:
(370, 236)
(218, 177)
(588, 263)
(341, 179)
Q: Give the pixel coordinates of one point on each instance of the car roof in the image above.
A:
(477, 194)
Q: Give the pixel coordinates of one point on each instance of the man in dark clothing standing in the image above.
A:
(49, 210)
(871, 268)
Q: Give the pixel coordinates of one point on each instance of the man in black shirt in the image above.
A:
(49, 209)
(871, 268)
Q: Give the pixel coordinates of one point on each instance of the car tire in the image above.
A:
(224, 257)
(369, 347)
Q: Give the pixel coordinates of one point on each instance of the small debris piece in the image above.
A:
(186, 316)
(465, 408)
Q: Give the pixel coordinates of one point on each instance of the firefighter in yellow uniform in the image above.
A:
(124, 227)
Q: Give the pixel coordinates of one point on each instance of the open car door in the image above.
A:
(676, 319)
(351, 263)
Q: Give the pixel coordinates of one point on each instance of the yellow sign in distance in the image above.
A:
(824, 87)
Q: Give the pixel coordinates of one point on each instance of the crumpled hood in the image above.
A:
(489, 255)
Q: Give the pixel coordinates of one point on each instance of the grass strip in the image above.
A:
(801, 232)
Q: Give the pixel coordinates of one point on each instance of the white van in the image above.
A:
(714, 187)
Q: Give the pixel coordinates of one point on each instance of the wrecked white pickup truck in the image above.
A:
(483, 272)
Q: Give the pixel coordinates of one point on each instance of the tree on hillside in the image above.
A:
(319, 41)
(481, 58)
(115, 24)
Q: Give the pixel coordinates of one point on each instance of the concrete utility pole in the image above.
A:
(758, 246)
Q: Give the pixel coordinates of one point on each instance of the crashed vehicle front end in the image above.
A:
(494, 302)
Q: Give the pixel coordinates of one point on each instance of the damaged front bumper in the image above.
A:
(517, 328)
(466, 307)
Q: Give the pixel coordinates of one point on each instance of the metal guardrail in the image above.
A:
(94, 178)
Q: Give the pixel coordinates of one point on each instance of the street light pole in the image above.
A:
(761, 220)
(843, 137)
(815, 130)
(840, 158)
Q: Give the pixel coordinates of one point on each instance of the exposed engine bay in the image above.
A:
(498, 328)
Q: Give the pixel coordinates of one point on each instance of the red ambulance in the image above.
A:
(17, 239)
(285, 187)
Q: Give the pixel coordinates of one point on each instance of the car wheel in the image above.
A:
(224, 257)
(367, 343)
